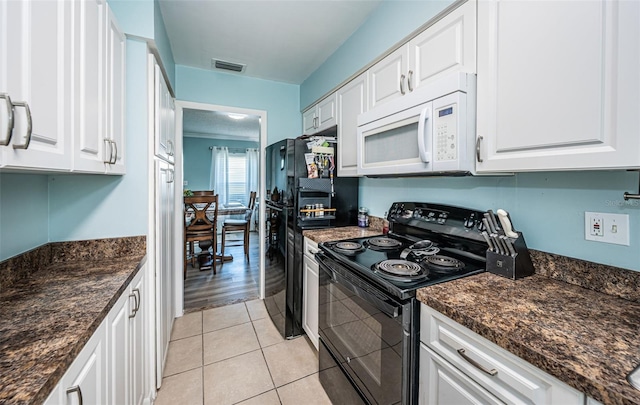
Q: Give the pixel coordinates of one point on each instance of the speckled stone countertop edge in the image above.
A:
(58, 264)
(459, 301)
(56, 375)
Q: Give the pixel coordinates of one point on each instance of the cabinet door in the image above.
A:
(309, 121)
(546, 101)
(310, 287)
(89, 89)
(442, 384)
(138, 337)
(87, 376)
(327, 113)
(115, 88)
(387, 78)
(164, 117)
(165, 307)
(119, 353)
(35, 73)
(447, 46)
(352, 101)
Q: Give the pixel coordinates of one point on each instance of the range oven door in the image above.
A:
(366, 334)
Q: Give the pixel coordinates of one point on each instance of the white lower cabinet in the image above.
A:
(457, 366)
(110, 369)
(310, 287)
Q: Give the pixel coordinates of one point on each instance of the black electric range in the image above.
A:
(369, 318)
(427, 244)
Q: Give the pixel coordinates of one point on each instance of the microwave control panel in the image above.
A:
(446, 133)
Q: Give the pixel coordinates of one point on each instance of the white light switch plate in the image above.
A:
(607, 228)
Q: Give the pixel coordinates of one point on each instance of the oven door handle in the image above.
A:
(364, 291)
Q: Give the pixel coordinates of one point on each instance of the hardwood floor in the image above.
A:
(234, 281)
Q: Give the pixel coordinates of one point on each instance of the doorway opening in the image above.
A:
(221, 148)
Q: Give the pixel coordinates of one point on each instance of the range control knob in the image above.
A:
(470, 221)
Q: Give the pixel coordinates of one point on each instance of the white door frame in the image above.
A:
(179, 176)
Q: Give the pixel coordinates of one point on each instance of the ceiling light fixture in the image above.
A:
(236, 116)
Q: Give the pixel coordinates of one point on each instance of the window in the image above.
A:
(237, 178)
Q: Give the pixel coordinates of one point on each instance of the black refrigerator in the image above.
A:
(288, 215)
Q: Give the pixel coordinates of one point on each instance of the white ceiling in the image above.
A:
(278, 40)
(218, 125)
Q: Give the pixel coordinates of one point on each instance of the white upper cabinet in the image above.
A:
(352, 101)
(446, 46)
(164, 117)
(89, 90)
(115, 87)
(61, 87)
(35, 83)
(558, 85)
(321, 116)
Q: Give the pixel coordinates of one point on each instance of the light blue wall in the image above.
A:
(97, 206)
(392, 21)
(197, 159)
(280, 100)
(142, 18)
(24, 210)
(135, 17)
(548, 207)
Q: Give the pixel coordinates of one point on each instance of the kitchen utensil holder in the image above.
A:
(513, 267)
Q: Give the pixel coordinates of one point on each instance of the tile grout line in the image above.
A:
(265, 359)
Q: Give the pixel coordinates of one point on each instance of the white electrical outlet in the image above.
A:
(607, 228)
(185, 183)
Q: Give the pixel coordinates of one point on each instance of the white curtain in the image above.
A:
(252, 156)
(219, 169)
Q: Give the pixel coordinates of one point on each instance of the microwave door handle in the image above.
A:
(424, 132)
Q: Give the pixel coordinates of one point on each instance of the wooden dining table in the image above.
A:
(223, 211)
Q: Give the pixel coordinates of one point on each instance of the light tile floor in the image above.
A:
(235, 355)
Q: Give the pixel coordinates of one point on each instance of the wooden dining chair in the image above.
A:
(201, 219)
(203, 192)
(239, 225)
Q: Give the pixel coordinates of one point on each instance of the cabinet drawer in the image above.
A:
(310, 248)
(505, 375)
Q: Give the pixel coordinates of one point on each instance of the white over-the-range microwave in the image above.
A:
(430, 131)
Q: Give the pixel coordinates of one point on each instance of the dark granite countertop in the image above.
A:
(577, 333)
(346, 232)
(52, 300)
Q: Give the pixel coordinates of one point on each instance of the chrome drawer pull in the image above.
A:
(76, 388)
(477, 365)
(409, 79)
(27, 141)
(402, 85)
(9, 105)
(478, 158)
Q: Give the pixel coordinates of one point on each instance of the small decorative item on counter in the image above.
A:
(363, 217)
(187, 193)
(385, 224)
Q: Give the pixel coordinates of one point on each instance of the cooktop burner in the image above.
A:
(348, 248)
(443, 264)
(400, 270)
(382, 243)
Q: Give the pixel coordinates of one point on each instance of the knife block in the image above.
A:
(513, 267)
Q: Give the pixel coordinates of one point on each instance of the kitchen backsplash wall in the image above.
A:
(547, 207)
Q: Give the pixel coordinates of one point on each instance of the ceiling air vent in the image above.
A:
(224, 65)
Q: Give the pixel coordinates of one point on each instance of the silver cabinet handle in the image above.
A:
(170, 148)
(9, 105)
(115, 153)
(409, 78)
(76, 389)
(107, 143)
(170, 177)
(402, 85)
(26, 143)
(138, 300)
(135, 307)
(478, 141)
(477, 365)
